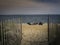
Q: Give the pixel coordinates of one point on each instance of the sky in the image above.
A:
(10, 7)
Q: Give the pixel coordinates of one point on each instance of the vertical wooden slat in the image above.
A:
(1, 34)
(48, 30)
(21, 26)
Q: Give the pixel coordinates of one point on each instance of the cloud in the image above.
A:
(29, 7)
(49, 1)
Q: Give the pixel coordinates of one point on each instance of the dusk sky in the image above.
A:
(8, 7)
